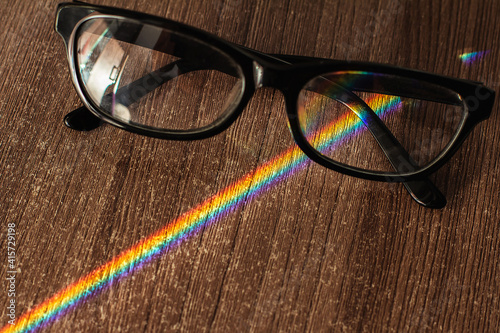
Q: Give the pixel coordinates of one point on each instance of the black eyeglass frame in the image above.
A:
(289, 74)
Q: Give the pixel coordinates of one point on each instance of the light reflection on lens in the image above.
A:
(151, 77)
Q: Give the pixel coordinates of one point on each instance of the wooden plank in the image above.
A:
(315, 251)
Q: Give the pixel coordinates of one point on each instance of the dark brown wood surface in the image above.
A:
(318, 251)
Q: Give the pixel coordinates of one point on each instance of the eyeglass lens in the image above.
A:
(334, 113)
(152, 77)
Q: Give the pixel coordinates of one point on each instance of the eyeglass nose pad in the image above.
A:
(82, 119)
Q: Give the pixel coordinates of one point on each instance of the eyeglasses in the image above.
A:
(164, 79)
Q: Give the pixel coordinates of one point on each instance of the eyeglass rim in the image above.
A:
(290, 87)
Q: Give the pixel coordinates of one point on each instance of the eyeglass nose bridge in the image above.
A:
(269, 72)
(265, 76)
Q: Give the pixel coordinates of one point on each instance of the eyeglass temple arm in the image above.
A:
(422, 191)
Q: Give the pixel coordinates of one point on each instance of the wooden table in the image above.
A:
(313, 251)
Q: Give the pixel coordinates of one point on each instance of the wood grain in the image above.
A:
(319, 251)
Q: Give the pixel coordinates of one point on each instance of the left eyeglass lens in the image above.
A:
(155, 78)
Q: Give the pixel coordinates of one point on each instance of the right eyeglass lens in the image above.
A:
(336, 112)
(152, 77)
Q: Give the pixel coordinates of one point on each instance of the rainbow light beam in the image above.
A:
(471, 57)
(174, 232)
